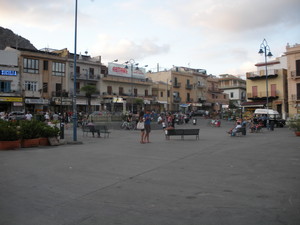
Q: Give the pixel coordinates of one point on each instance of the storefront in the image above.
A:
(35, 105)
(8, 104)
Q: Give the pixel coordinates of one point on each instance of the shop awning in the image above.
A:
(254, 104)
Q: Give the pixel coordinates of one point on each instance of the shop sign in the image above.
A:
(8, 73)
(117, 100)
(38, 101)
(17, 103)
(65, 101)
(10, 99)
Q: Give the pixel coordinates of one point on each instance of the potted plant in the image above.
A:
(9, 135)
(30, 133)
(294, 124)
(48, 132)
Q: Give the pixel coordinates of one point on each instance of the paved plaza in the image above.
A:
(216, 180)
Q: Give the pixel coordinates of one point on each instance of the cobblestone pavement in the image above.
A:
(216, 180)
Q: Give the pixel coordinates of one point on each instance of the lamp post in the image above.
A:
(74, 94)
(132, 63)
(265, 49)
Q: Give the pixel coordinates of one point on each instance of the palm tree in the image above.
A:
(89, 90)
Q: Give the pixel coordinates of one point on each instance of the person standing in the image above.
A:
(28, 116)
(141, 119)
(147, 120)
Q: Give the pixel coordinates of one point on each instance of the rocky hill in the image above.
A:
(9, 38)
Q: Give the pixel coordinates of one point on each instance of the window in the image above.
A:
(46, 65)
(298, 91)
(121, 90)
(58, 69)
(91, 71)
(168, 93)
(188, 97)
(31, 65)
(77, 87)
(146, 93)
(231, 94)
(135, 91)
(45, 87)
(77, 70)
(109, 90)
(30, 86)
(161, 94)
(5, 86)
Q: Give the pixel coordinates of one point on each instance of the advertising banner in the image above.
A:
(121, 70)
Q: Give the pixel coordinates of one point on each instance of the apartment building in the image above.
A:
(235, 87)
(125, 87)
(216, 98)
(10, 89)
(274, 76)
(293, 78)
(187, 87)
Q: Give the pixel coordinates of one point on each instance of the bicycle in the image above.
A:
(127, 125)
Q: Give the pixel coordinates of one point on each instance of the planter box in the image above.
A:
(9, 145)
(43, 142)
(28, 143)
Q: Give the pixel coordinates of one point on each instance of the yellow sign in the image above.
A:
(11, 99)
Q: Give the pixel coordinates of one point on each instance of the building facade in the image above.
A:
(293, 78)
(235, 87)
(276, 80)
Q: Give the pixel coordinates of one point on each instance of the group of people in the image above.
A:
(145, 118)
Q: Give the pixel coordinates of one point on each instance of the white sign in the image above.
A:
(131, 70)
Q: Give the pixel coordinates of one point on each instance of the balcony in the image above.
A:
(10, 93)
(262, 74)
(200, 86)
(214, 90)
(295, 97)
(177, 85)
(263, 95)
(189, 86)
(85, 77)
(127, 80)
(176, 99)
(295, 75)
(59, 94)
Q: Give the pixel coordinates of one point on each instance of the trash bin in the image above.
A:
(194, 121)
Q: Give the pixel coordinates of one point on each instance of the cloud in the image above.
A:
(124, 48)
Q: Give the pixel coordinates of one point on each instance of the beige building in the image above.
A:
(216, 97)
(277, 86)
(293, 78)
(187, 87)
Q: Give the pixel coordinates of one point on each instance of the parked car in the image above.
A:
(16, 115)
(199, 113)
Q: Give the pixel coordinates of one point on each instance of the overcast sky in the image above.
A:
(221, 36)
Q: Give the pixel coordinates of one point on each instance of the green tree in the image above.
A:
(89, 91)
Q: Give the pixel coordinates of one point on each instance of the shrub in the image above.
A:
(9, 131)
(30, 129)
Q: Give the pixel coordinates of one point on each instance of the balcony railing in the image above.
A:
(189, 86)
(295, 97)
(59, 94)
(177, 85)
(295, 75)
(89, 77)
(262, 74)
(176, 99)
(263, 94)
(127, 80)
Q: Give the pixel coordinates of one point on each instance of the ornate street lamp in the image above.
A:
(265, 49)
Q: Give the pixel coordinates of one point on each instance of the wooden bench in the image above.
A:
(182, 133)
(99, 129)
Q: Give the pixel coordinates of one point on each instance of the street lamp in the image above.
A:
(265, 49)
(132, 63)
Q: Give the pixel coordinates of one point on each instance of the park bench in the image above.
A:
(182, 133)
(99, 129)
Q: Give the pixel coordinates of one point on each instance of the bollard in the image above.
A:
(194, 121)
(62, 131)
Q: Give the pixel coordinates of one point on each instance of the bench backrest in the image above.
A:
(191, 131)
